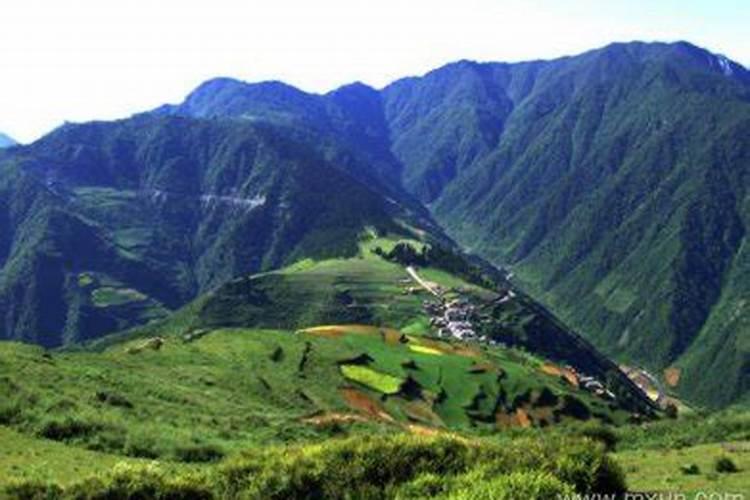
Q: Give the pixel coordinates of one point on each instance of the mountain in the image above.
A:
(613, 183)
(6, 142)
(107, 225)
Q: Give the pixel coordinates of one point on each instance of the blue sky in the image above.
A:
(79, 60)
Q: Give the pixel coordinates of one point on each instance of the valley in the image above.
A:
(527, 278)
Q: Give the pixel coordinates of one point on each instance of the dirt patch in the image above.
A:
(518, 418)
(523, 418)
(358, 400)
(481, 368)
(336, 331)
(422, 412)
(392, 337)
(672, 376)
(555, 371)
(551, 369)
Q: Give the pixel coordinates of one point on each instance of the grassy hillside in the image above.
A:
(323, 377)
(288, 354)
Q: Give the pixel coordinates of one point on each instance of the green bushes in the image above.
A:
(136, 482)
(527, 484)
(66, 428)
(199, 453)
(725, 465)
(602, 433)
(32, 489)
(408, 465)
(400, 466)
(690, 469)
(687, 431)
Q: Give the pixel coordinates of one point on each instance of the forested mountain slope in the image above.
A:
(106, 225)
(615, 185)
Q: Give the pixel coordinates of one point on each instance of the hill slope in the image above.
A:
(296, 353)
(106, 225)
(615, 185)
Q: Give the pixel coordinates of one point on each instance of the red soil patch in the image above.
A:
(391, 336)
(523, 418)
(556, 371)
(358, 400)
(520, 418)
(672, 376)
(551, 369)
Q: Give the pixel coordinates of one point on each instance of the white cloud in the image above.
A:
(85, 59)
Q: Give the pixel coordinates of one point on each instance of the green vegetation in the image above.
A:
(665, 469)
(373, 467)
(171, 208)
(598, 180)
(725, 465)
(381, 382)
(107, 296)
(615, 176)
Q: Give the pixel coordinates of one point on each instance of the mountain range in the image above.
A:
(612, 186)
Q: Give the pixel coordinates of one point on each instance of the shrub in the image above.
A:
(601, 433)
(690, 469)
(141, 445)
(127, 481)
(199, 453)
(113, 399)
(66, 428)
(406, 465)
(357, 467)
(31, 489)
(527, 484)
(425, 486)
(725, 465)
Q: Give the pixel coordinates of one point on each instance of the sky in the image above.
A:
(79, 60)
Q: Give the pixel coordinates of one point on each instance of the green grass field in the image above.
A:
(662, 470)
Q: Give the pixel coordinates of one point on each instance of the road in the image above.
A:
(413, 273)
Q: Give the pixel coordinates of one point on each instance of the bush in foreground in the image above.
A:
(402, 466)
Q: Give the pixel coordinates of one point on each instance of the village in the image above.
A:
(457, 318)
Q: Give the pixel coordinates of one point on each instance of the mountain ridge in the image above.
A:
(566, 170)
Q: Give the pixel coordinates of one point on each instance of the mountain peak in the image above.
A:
(6, 141)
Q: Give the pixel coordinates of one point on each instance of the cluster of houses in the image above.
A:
(452, 318)
(591, 384)
(456, 318)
